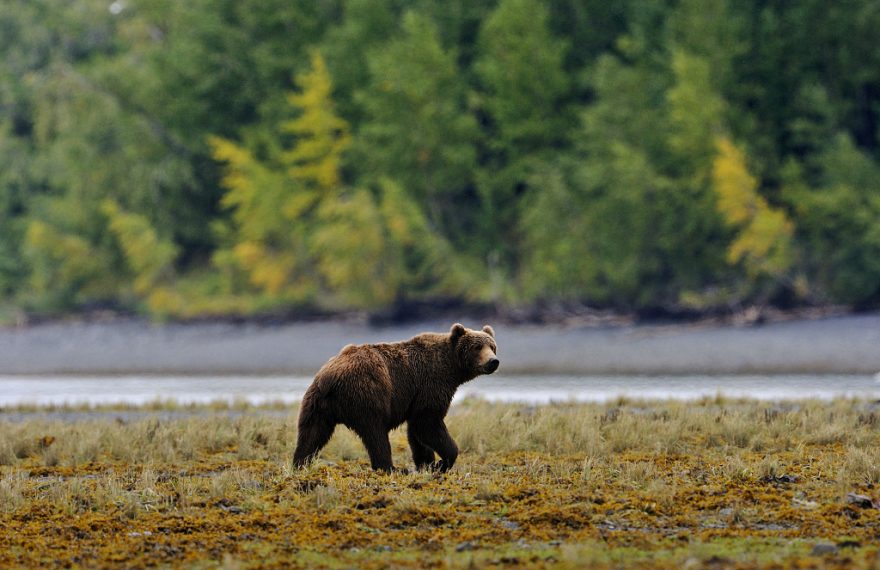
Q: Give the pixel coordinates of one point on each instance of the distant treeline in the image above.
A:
(215, 157)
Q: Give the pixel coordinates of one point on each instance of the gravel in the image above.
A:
(833, 345)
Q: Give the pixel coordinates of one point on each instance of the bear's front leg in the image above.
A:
(423, 456)
(433, 433)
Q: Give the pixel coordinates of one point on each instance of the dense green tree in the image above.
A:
(220, 61)
(591, 27)
(364, 25)
(524, 89)
(596, 234)
(26, 44)
(651, 154)
(418, 132)
(421, 263)
(13, 200)
(639, 204)
(520, 66)
(799, 71)
(696, 114)
(458, 23)
(838, 223)
(74, 143)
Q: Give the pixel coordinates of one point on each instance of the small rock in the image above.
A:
(772, 526)
(509, 525)
(822, 549)
(805, 504)
(779, 479)
(862, 501)
(555, 542)
(712, 562)
(465, 546)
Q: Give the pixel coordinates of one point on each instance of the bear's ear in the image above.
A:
(456, 332)
(489, 331)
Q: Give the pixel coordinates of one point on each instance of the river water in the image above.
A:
(136, 390)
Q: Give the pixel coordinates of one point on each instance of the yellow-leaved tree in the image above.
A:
(298, 231)
(763, 233)
(148, 257)
(65, 267)
(321, 136)
(265, 243)
(345, 241)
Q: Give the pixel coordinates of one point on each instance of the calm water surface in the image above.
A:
(43, 390)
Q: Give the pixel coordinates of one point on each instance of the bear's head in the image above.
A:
(475, 350)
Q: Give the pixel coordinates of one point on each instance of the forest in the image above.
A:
(245, 157)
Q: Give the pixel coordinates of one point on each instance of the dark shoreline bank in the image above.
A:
(585, 344)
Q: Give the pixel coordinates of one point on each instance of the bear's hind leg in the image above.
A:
(423, 456)
(310, 439)
(378, 447)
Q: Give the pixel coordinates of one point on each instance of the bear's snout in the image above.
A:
(487, 362)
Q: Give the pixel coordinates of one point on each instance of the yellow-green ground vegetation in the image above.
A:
(713, 483)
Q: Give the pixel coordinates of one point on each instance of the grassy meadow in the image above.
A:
(714, 483)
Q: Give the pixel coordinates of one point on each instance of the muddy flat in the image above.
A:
(834, 345)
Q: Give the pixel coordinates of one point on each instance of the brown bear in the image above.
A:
(373, 388)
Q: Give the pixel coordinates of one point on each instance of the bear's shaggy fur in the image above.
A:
(373, 388)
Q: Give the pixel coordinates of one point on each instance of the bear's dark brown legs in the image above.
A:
(311, 437)
(379, 449)
(434, 434)
(423, 456)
